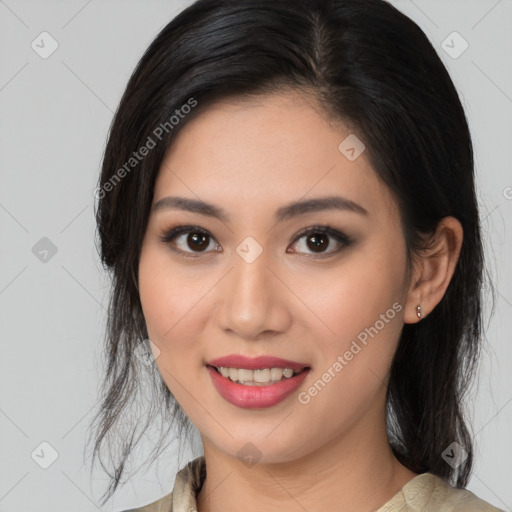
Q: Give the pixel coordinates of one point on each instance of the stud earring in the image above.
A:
(418, 311)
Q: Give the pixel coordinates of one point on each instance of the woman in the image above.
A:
(287, 207)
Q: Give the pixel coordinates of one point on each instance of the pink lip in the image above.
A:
(255, 363)
(253, 397)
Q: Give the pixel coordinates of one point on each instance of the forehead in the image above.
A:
(264, 151)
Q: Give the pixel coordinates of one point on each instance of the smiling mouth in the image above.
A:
(258, 377)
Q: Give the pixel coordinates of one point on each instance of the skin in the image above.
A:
(251, 157)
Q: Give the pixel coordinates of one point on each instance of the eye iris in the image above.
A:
(320, 241)
(197, 241)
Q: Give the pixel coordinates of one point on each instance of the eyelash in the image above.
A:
(341, 238)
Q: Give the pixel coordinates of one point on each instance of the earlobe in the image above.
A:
(434, 268)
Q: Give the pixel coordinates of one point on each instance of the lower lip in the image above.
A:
(252, 397)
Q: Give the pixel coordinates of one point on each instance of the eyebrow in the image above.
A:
(285, 212)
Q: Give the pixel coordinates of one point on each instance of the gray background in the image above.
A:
(54, 117)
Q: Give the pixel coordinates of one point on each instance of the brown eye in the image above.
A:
(317, 241)
(198, 241)
(320, 238)
(189, 240)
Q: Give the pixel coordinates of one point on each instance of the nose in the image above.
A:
(254, 302)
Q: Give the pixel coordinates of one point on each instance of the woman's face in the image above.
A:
(249, 282)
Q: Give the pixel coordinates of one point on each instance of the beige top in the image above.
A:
(426, 493)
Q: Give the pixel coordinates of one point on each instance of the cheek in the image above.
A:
(362, 305)
(170, 301)
(354, 295)
(358, 310)
(175, 318)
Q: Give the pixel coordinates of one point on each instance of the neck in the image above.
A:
(354, 471)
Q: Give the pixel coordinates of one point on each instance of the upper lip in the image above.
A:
(255, 363)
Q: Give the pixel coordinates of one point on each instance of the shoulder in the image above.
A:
(449, 498)
(186, 486)
(429, 493)
(161, 505)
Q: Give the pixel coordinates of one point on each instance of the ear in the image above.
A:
(433, 269)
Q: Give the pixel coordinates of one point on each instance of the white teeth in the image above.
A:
(244, 375)
(224, 371)
(276, 374)
(262, 376)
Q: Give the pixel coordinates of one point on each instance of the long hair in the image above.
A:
(369, 66)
